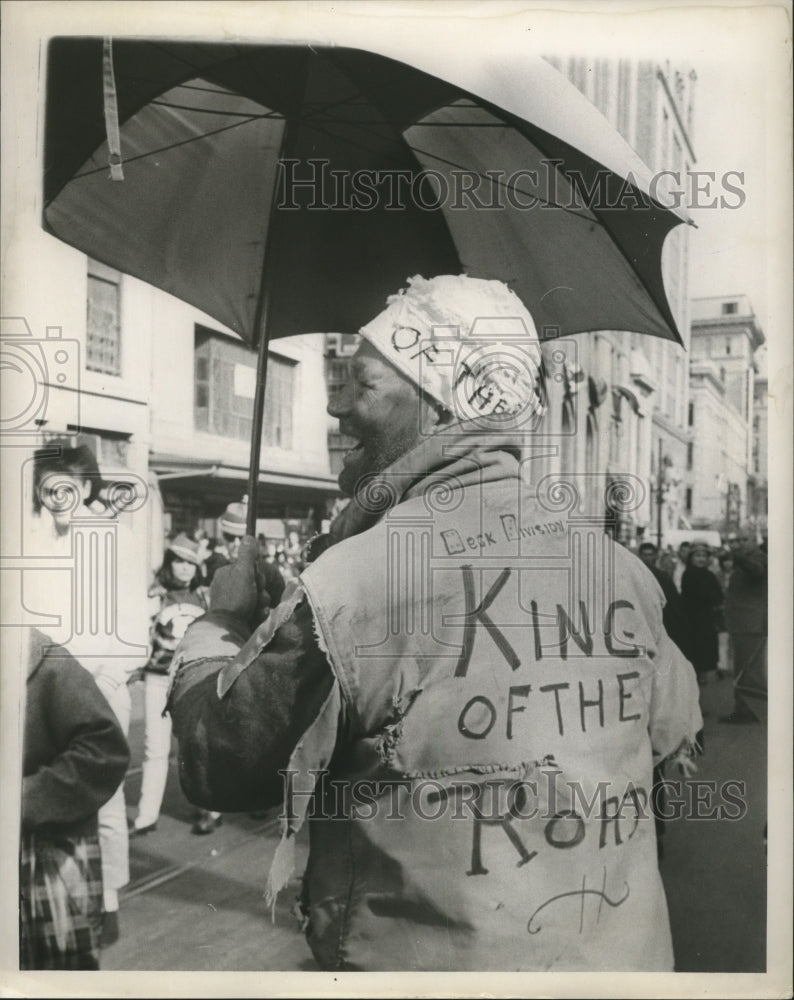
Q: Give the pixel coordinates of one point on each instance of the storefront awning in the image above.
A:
(171, 469)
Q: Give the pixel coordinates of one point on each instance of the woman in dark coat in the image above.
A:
(701, 599)
(74, 758)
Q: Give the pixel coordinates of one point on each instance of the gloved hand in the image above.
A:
(240, 588)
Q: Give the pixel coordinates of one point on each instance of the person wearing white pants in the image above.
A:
(113, 837)
(178, 599)
(157, 748)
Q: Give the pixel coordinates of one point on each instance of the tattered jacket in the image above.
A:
(476, 775)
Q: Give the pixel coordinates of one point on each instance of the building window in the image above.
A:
(691, 416)
(336, 370)
(103, 319)
(688, 498)
(690, 454)
(224, 387)
(111, 448)
(728, 308)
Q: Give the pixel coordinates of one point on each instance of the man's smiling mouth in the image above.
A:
(354, 451)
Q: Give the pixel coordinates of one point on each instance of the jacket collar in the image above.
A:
(452, 458)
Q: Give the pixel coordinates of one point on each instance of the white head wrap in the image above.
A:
(470, 344)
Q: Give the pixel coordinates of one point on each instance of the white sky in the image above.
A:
(730, 249)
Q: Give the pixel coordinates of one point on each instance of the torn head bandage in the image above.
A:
(469, 344)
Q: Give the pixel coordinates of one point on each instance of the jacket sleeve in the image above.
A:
(93, 753)
(232, 748)
(675, 718)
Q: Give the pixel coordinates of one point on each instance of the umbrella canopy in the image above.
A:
(387, 171)
(286, 189)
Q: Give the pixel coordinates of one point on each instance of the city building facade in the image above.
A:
(633, 424)
(163, 395)
(758, 480)
(727, 466)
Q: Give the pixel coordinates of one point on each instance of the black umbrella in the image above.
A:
(288, 189)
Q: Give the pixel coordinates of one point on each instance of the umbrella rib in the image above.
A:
(173, 145)
(357, 96)
(215, 111)
(548, 204)
(320, 112)
(579, 214)
(135, 78)
(206, 90)
(172, 53)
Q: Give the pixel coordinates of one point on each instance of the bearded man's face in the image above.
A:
(381, 410)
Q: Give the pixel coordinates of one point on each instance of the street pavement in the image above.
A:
(197, 902)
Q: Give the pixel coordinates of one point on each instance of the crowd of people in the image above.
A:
(285, 554)
(716, 611)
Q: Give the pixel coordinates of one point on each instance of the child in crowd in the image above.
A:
(178, 598)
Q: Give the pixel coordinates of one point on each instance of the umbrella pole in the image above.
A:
(261, 326)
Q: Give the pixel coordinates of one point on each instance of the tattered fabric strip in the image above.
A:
(111, 112)
(309, 758)
(258, 641)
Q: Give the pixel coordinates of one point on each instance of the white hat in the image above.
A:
(470, 344)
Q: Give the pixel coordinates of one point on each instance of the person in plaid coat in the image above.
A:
(75, 756)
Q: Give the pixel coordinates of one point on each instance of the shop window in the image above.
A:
(224, 387)
(103, 320)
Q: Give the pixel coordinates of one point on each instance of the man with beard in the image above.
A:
(468, 723)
